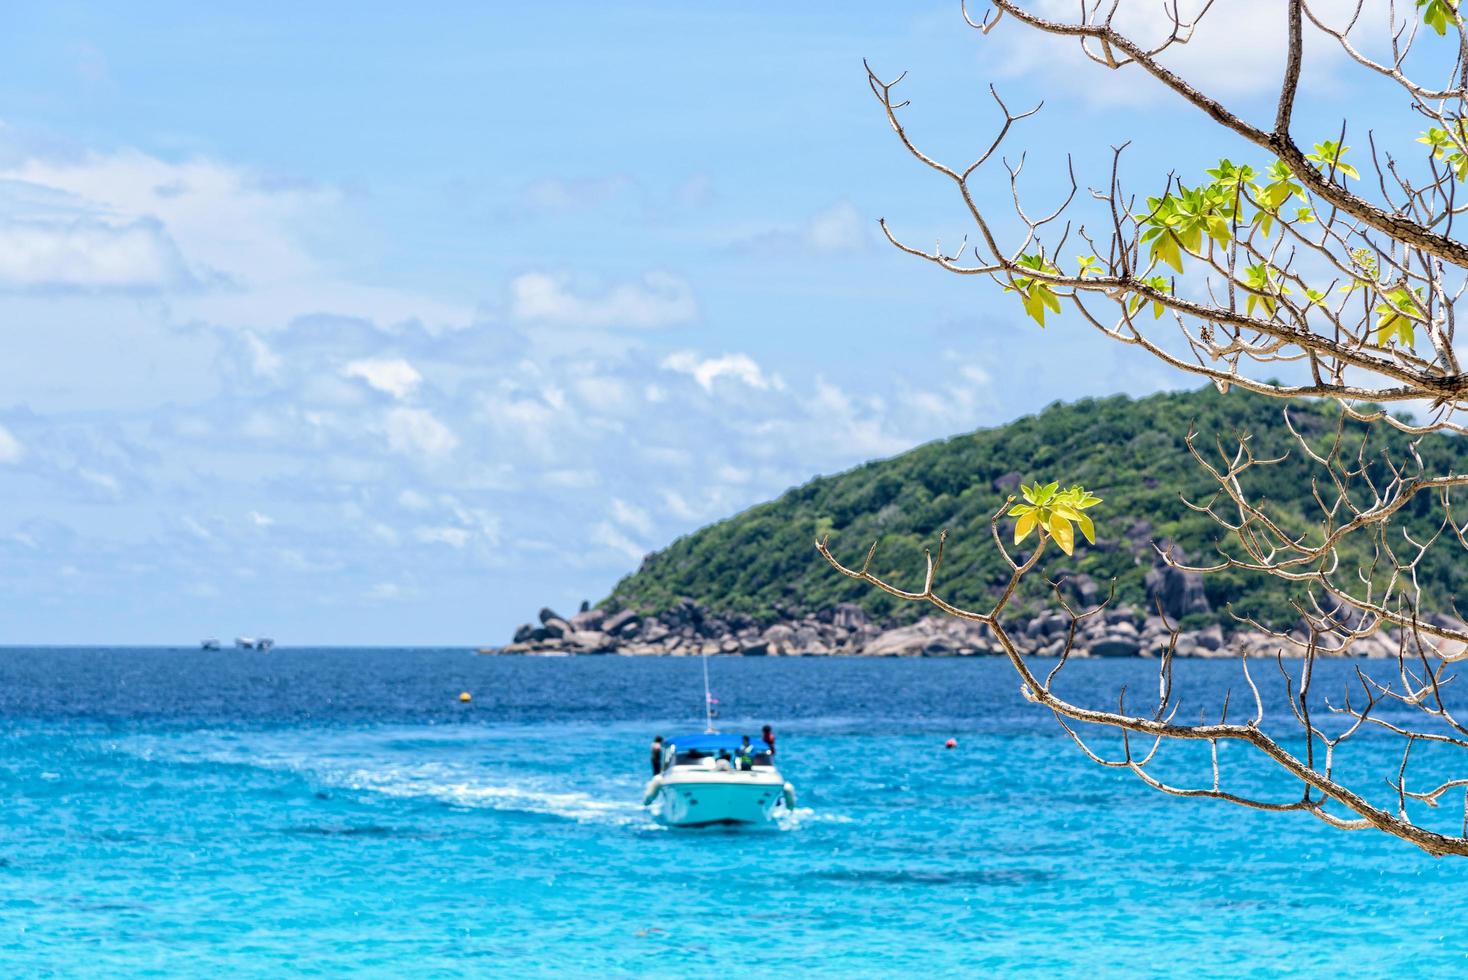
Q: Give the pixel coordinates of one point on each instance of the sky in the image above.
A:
(378, 323)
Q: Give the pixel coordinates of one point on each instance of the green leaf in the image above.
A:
(1436, 14)
(1087, 527)
(1025, 525)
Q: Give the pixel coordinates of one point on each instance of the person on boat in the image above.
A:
(768, 734)
(744, 755)
(723, 764)
(657, 754)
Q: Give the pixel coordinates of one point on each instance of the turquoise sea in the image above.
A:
(323, 812)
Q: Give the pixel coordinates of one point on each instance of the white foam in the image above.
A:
(802, 815)
(449, 784)
(367, 764)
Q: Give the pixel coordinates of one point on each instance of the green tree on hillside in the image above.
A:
(1320, 255)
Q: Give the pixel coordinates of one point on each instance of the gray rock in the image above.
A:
(1210, 638)
(616, 621)
(1116, 645)
(849, 616)
(940, 648)
(1178, 592)
(557, 627)
(547, 614)
(1008, 483)
(780, 640)
(589, 619)
(524, 633)
(1054, 624)
(590, 641)
(904, 641)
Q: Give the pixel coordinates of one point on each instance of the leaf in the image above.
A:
(1087, 527)
(1436, 14)
(1025, 525)
(1063, 533)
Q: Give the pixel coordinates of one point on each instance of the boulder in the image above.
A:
(1210, 638)
(1115, 644)
(904, 641)
(849, 616)
(1180, 593)
(589, 641)
(624, 623)
(780, 640)
(557, 627)
(547, 614)
(524, 633)
(588, 619)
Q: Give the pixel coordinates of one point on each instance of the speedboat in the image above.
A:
(707, 779)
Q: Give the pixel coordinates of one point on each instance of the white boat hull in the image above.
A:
(704, 799)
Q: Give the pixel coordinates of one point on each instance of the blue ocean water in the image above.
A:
(173, 812)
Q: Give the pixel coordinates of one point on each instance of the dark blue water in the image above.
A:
(326, 811)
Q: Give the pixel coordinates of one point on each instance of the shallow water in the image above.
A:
(325, 811)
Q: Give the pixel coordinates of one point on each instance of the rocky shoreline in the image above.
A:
(689, 629)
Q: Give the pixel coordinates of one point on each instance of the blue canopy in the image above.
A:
(707, 742)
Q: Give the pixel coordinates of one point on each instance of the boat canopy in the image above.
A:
(706, 742)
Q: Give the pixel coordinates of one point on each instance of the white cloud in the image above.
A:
(105, 482)
(265, 362)
(387, 592)
(392, 376)
(737, 367)
(127, 220)
(659, 300)
(413, 500)
(1214, 60)
(416, 432)
(260, 520)
(454, 537)
(839, 228)
(558, 195)
(10, 448)
(608, 536)
(631, 517)
(88, 255)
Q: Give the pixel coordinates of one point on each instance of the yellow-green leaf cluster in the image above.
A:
(1327, 157)
(1449, 148)
(1036, 294)
(1437, 14)
(1396, 315)
(1054, 513)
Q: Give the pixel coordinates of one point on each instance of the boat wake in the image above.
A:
(447, 784)
(375, 764)
(803, 816)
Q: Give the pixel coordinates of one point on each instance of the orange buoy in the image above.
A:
(952, 743)
(464, 696)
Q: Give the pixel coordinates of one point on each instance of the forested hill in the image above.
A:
(763, 563)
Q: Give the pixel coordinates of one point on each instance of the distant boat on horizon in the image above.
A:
(251, 643)
(210, 644)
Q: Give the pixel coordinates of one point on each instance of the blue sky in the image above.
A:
(384, 323)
